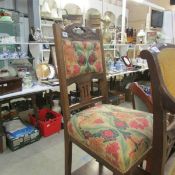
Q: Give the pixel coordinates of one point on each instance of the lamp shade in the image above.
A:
(141, 33)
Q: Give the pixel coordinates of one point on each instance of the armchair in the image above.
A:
(161, 62)
(140, 100)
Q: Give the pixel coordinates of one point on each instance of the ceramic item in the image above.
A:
(56, 107)
(27, 80)
(42, 71)
(35, 34)
(6, 19)
(52, 72)
(11, 71)
(4, 73)
(45, 9)
(54, 13)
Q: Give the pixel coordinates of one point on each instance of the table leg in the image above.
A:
(35, 108)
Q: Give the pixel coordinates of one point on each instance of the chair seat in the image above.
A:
(118, 135)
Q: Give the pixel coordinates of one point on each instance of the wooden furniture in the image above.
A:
(140, 100)
(26, 93)
(10, 84)
(161, 62)
(106, 132)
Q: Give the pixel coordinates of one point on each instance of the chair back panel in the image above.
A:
(167, 66)
(80, 59)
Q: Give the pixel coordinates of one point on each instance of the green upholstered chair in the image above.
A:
(118, 138)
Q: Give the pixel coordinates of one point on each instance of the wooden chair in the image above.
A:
(161, 62)
(140, 100)
(116, 137)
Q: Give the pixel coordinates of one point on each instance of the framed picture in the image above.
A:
(126, 61)
(151, 37)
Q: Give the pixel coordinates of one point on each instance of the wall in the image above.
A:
(137, 15)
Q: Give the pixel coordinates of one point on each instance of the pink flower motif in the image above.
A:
(144, 122)
(140, 123)
(113, 149)
(92, 59)
(85, 44)
(98, 66)
(68, 69)
(120, 124)
(108, 133)
(76, 69)
(81, 60)
(98, 121)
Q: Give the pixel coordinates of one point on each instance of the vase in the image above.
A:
(56, 107)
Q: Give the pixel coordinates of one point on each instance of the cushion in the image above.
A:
(167, 64)
(82, 57)
(119, 135)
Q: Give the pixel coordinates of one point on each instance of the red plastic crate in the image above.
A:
(47, 127)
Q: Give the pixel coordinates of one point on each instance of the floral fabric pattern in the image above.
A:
(119, 135)
(82, 57)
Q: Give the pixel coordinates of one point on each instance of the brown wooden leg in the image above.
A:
(100, 168)
(148, 164)
(68, 156)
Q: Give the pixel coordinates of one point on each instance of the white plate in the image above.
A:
(52, 72)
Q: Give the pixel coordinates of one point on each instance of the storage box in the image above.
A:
(16, 143)
(10, 84)
(18, 134)
(47, 127)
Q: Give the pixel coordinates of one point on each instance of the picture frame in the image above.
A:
(127, 61)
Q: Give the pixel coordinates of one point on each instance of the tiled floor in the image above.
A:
(45, 157)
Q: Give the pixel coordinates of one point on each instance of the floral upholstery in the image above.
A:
(82, 57)
(119, 135)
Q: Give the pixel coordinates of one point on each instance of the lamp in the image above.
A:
(141, 36)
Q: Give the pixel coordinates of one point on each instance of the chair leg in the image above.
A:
(68, 157)
(100, 168)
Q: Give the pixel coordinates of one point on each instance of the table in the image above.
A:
(27, 93)
(112, 74)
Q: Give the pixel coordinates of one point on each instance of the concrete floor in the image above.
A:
(45, 157)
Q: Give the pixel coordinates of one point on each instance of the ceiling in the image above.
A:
(163, 3)
(137, 12)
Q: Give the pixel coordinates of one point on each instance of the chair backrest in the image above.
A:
(161, 62)
(80, 59)
(140, 100)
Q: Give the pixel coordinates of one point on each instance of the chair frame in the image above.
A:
(84, 84)
(163, 102)
(138, 91)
